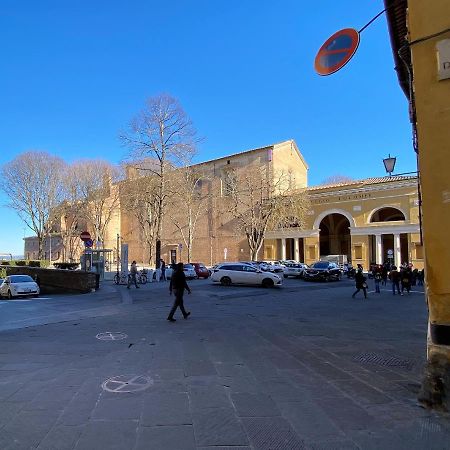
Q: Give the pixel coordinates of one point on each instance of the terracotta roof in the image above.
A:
(365, 182)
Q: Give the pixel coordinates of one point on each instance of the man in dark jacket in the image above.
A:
(394, 276)
(178, 285)
(360, 281)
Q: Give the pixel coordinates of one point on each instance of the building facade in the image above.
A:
(420, 38)
(369, 221)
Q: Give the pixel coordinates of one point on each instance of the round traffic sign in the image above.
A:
(85, 235)
(337, 51)
(89, 243)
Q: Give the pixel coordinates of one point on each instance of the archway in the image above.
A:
(387, 214)
(335, 235)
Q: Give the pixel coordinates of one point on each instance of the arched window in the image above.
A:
(387, 214)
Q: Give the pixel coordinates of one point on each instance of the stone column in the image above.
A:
(283, 249)
(379, 249)
(397, 253)
(296, 250)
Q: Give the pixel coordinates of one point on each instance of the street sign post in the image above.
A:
(85, 235)
(337, 51)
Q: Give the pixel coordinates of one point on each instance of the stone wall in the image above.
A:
(55, 281)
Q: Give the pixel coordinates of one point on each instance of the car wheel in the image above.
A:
(267, 283)
(225, 281)
(10, 296)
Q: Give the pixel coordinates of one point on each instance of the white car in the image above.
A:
(242, 273)
(188, 269)
(18, 286)
(294, 270)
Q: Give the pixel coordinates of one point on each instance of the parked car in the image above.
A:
(323, 271)
(294, 270)
(242, 273)
(188, 269)
(271, 266)
(19, 286)
(201, 270)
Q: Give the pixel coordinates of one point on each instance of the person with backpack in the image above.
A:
(360, 282)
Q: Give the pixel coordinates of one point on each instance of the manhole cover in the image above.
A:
(380, 360)
(127, 383)
(111, 336)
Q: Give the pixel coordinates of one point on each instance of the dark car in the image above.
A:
(201, 270)
(323, 271)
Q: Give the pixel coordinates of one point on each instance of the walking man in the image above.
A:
(132, 276)
(178, 284)
(360, 281)
(394, 276)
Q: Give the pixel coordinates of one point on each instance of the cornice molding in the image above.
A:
(364, 189)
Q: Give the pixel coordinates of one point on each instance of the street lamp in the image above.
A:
(389, 164)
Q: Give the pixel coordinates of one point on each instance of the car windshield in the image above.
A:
(321, 265)
(188, 266)
(20, 278)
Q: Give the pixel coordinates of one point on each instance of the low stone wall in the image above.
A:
(57, 281)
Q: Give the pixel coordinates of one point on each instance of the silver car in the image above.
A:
(294, 270)
(19, 286)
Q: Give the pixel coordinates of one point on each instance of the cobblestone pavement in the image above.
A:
(304, 366)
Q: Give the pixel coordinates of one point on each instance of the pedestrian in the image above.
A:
(132, 276)
(415, 275)
(405, 278)
(420, 277)
(163, 270)
(394, 276)
(178, 284)
(360, 281)
(384, 274)
(377, 278)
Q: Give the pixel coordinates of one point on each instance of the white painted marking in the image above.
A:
(111, 336)
(127, 383)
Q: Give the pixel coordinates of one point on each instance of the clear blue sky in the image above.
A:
(72, 75)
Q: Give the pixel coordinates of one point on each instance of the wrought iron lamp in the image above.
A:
(389, 164)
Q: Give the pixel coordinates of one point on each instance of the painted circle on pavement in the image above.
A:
(111, 336)
(127, 383)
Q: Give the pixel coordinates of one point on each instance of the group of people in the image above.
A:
(178, 285)
(405, 277)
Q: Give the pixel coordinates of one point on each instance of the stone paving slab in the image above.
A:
(249, 369)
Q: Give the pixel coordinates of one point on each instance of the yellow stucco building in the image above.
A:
(370, 221)
(420, 38)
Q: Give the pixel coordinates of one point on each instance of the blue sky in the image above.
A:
(73, 75)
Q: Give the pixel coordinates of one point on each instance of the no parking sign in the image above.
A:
(337, 51)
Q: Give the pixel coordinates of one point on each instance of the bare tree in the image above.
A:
(98, 193)
(188, 201)
(70, 213)
(260, 200)
(33, 184)
(140, 198)
(336, 179)
(163, 132)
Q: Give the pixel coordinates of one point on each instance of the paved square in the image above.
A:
(304, 366)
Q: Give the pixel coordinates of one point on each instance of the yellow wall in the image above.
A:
(432, 99)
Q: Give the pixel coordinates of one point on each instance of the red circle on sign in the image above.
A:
(337, 51)
(85, 235)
